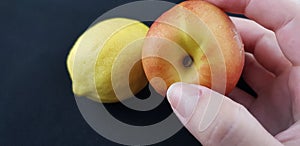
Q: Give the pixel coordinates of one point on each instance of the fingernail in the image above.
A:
(183, 99)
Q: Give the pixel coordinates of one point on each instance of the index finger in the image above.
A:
(281, 16)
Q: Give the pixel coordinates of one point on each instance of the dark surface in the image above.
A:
(37, 106)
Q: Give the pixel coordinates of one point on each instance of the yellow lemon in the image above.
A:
(105, 62)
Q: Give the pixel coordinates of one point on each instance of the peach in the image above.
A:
(193, 42)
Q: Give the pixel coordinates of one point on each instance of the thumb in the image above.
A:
(214, 119)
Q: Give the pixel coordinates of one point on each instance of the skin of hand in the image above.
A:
(272, 69)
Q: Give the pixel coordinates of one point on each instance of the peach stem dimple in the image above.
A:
(187, 61)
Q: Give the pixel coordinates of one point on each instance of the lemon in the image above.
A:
(105, 62)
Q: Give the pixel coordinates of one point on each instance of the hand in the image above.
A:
(272, 69)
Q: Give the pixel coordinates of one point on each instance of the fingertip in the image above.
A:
(230, 5)
(174, 93)
(184, 99)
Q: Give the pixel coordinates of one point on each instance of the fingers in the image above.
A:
(291, 136)
(272, 14)
(294, 87)
(255, 75)
(289, 40)
(215, 119)
(281, 16)
(263, 44)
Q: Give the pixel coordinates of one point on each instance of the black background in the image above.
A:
(37, 106)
